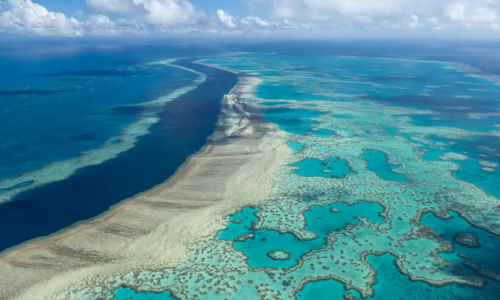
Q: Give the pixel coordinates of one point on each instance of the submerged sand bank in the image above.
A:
(154, 230)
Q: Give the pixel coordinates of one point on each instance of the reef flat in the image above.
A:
(390, 201)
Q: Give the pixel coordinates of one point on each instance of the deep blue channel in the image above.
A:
(185, 125)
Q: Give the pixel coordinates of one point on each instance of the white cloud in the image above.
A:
(285, 17)
(395, 14)
(414, 21)
(474, 12)
(254, 21)
(26, 17)
(156, 12)
(328, 9)
(226, 19)
(102, 25)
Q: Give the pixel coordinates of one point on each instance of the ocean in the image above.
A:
(55, 110)
(390, 189)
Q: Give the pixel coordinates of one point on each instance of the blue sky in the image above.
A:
(283, 18)
(69, 7)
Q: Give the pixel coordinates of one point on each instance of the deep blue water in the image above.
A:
(55, 108)
(185, 125)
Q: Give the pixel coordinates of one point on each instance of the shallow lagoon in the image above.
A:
(331, 168)
(377, 162)
(128, 293)
(295, 146)
(260, 243)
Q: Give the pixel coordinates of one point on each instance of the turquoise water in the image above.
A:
(433, 154)
(296, 146)
(296, 121)
(448, 93)
(446, 119)
(319, 219)
(391, 284)
(331, 168)
(325, 290)
(239, 224)
(342, 117)
(263, 241)
(485, 254)
(471, 171)
(377, 162)
(323, 132)
(286, 92)
(306, 227)
(257, 248)
(271, 103)
(128, 293)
